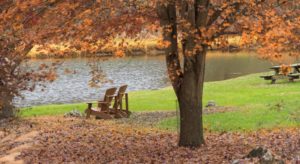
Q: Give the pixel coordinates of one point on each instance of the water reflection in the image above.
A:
(221, 66)
(139, 73)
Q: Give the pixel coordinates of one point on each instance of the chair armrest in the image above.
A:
(90, 105)
(95, 102)
(103, 102)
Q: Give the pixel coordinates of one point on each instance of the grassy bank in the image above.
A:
(257, 104)
(104, 48)
(149, 46)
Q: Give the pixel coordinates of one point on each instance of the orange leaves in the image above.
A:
(120, 53)
(81, 24)
(285, 69)
(208, 33)
(140, 20)
(245, 39)
(23, 6)
(198, 48)
(36, 2)
(43, 66)
(87, 12)
(163, 44)
(88, 22)
(153, 27)
(17, 26)
(75, 140)
(51, 76)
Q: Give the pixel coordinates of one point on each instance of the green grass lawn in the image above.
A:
(259, 104)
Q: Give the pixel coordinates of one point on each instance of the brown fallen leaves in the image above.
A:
(62, 140)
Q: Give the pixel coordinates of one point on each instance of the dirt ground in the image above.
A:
(75, 140)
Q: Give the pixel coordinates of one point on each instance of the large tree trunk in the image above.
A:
(190, 103)
(187, 83)
(191, 90)
(7, 109)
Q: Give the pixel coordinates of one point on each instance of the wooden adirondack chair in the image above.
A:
(118, 103)
(103, 108)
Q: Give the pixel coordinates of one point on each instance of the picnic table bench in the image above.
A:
(294, 74)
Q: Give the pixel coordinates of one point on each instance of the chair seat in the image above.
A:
(96, 109)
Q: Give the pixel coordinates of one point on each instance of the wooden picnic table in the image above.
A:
(296, 68)
(295, 73)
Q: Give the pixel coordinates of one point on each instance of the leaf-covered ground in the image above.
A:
(65, 140)
(151, 119)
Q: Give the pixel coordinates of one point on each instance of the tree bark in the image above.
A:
(12, 81)
(191, 90)
(168, 18)
(190, 103)
(187, 83)
(7, 109)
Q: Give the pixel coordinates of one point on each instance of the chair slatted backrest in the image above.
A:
(121, 93)
(109, 95)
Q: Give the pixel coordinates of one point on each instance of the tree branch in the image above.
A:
(167, 16)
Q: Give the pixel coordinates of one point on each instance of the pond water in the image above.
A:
(140, 73)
